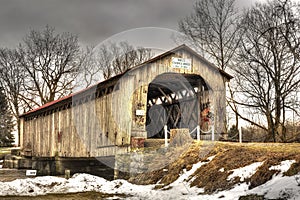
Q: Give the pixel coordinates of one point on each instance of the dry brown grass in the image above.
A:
(252, 197)
(294, 169)
(228, 156)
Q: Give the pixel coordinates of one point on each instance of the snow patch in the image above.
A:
(186, 174)
(211, 158)
(244, 172)
(284, 166)
(222, 169)
(182, 184)
(30, 186)
(278, 187)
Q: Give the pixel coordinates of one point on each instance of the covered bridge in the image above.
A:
(178, 88)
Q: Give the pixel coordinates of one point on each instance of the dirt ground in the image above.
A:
(7, 175)
(72, 196)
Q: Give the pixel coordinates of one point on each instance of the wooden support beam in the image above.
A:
(165, 95)
(187, 89)
(178, 115)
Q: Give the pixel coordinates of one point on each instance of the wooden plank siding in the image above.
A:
(100, 121)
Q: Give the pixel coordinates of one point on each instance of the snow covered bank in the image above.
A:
(278, 186)
(244, 172)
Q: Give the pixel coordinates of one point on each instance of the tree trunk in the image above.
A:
(271, 129)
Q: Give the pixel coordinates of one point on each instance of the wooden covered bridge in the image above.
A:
(178, 88)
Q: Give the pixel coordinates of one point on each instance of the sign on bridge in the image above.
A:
(181, 63)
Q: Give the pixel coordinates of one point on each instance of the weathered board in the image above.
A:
(100, 121)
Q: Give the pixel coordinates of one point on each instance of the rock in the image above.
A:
(180, 137)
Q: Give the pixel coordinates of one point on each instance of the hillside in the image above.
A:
(260, 162)
(204, 170)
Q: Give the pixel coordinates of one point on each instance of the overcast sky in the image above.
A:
(92, 20)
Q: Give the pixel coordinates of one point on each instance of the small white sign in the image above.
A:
(140, 112)
(30, 172)
(181, 63)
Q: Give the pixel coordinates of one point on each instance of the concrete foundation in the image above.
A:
(56, 166)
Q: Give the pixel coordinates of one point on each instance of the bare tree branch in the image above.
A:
(48, 59)
(268, 69)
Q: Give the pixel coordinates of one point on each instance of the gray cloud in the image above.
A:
(92, 20)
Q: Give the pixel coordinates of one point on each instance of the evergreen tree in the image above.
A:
(6, 122)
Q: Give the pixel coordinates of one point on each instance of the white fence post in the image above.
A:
(198, 133)
(213, 133)
(166, 135)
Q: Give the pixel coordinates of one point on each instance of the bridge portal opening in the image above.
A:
(178, 101)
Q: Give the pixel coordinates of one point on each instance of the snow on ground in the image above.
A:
(279, 186)
(244, 172)
(186, 174)
(283, 166)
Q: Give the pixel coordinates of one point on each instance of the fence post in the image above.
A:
(240, 134)
(213, 133)
(198, 133)
(166, 135)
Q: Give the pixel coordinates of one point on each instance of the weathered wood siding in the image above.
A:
(146, 74)
(103, 126)
(84, 130)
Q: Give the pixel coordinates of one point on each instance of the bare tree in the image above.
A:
(213, 28)
(125, 56)
(89, 70)
(50, 63)
(94, 63)
(104, 58)
(268, 72)
(40, 70)
(12, 75)
(110, 59)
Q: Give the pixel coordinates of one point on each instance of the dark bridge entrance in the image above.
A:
(175, 100)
